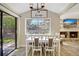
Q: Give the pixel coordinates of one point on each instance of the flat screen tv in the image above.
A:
(70, 23)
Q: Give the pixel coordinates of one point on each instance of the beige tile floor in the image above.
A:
(69, 48)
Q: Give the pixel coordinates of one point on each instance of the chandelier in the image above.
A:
(38, 10)
(37, 6)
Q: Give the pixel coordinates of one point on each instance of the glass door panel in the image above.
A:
(0, 33)
(8, 33)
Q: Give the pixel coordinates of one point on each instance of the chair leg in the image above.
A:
(53, 53)
(45, 53)
(40, 53)
(32, 53)
(50, 53)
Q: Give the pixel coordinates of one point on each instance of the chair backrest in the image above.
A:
(50, 42)
(36, 41)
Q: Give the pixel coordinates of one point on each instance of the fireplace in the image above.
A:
(64, 34)
(73, 34)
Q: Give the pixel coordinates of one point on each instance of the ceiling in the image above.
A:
(71, 13)
(20, 8)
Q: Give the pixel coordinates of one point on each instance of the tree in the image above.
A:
(9, 22)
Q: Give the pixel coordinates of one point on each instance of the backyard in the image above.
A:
(8, 33)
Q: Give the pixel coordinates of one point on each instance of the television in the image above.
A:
(70, 23)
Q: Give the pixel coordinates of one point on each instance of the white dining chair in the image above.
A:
(49, 47)
(36, 47)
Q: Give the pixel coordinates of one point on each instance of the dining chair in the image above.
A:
(56, 45)
(36, 47)
(50, 47)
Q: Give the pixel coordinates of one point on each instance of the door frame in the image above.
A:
(1, 32)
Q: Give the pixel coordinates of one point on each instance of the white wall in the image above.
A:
(55, 20)
(71, 13)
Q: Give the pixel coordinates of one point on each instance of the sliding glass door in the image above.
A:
(0, 33)
(8, 35)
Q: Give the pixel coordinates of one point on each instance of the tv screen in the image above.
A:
(70, 23)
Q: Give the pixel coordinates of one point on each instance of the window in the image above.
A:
(8, 35)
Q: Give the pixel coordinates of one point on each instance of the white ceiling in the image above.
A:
(72, 13)
(74, 9)
(19, 8)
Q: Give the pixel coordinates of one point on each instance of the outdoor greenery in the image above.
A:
(8, 33)
(0, 40)
(7, 40)
(8, 25)
(8, 22)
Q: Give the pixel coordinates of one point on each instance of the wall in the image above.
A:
(21, 24)
(71, 13)
(55, 20)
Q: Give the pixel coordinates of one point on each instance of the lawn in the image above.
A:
(7, 40)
